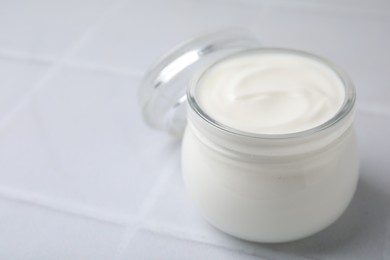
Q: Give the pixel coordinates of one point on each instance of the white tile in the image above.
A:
(30, 232)
(82, 140)
(354, 42)
(16, 79)
(46, 27)
(141, 32)
(24, 158)
(146, 245)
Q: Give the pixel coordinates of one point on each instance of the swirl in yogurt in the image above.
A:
(270, 92)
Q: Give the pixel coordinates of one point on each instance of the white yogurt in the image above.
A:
(270, 93)
(244, 175)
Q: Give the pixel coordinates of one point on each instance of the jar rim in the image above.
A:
(343, 111)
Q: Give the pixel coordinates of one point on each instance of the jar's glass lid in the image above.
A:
(163, 91)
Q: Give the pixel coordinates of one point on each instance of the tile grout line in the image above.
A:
(63, 207)
(8, 54)
(146, 207)
(186, 235)
(79, 65)
(95, 67)
(57, 65)
(198, 240)
(183, 234)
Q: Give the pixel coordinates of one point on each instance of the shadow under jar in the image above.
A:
(254, 176)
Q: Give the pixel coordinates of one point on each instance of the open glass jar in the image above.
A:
(258, 187)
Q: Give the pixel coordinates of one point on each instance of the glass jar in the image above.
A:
(258, 187)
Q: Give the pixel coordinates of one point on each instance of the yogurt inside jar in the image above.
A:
(270, 92)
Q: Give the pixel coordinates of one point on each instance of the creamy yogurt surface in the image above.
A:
(270, 92)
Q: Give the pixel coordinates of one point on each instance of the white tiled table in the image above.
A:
(82, 177)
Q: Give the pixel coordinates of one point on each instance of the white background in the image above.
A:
(82, 177)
